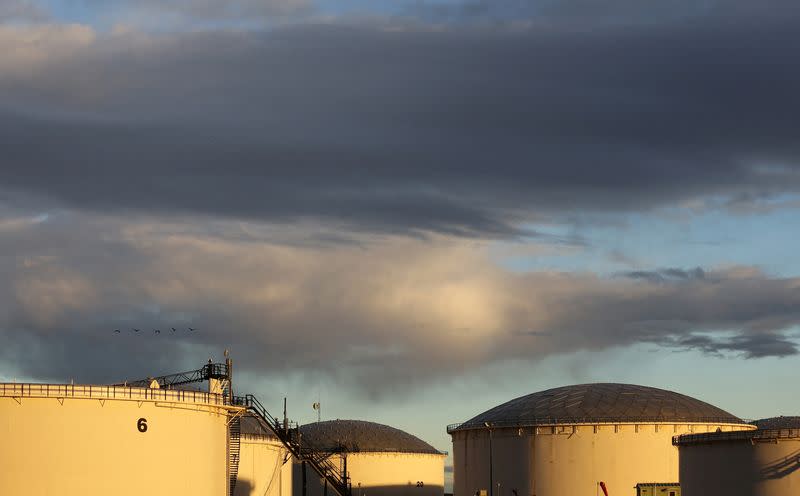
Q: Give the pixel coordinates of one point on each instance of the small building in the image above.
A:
(658, 489)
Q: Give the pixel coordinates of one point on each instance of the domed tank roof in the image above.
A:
(360, 435)
(778, 423)
(602, 402)
(253, 426)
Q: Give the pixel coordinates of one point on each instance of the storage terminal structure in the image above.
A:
(377, 458)
(160, 437)
(762, 462)
(157, 437)
(579, 440)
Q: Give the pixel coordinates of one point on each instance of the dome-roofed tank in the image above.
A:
(98, 440)
(253, 426)
(778, 423)
(567, 440)
(600, 402)
(760, 462)
(263, 470)
(380, 460)
(360, 435)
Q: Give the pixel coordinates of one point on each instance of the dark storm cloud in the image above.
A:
(22, 11)
(593, 12)
(398, 127)
(105, 166)
(666, 274)
(188, 12)
(252, 183)
(215, 11)
(750, 346)
(619, 11)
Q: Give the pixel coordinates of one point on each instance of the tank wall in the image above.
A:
(574, 463)
(262, 470)
(396, 474)
(382, 474)
(96, 447)
(568, 460)
(512, 462)
(740, 468)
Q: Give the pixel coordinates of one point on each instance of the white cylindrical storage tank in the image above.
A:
(101, 440)
(379, 460)
(763, 462)
(566, 441)
(265, 465)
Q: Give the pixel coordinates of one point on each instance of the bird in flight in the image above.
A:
(156, 331)
(116, 331)
(135, 330)
(192, 330)
(173, 329)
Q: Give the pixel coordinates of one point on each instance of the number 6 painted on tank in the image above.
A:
(141, 424)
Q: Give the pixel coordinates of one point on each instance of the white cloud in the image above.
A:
(28, 49)
(382, 310)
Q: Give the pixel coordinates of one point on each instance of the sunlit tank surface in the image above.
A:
(765, 462)
(565, 441)
(103, 440)
(380, 460)
(265, 466)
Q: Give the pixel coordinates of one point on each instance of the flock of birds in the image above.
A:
(155, 331)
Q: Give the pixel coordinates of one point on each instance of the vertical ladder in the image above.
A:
(234, 449)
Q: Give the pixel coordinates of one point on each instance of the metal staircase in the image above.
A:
(234, 450)
(219, 371)
(290, 438)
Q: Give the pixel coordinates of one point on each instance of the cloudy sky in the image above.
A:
(412, 210)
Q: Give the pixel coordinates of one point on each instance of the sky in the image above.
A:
(410, 211)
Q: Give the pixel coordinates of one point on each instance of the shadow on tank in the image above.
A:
(315, 488)
(781, 467)
(243, 488)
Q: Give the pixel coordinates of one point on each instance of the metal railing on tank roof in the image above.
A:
(85, 391)
(751, 435)
(204, 373)
(544, 421)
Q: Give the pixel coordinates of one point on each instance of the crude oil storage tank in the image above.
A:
(92, 440)
(379, 460)
(265, 464)
(566, 441)
(763, 462)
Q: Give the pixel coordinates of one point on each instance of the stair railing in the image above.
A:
(319, 460)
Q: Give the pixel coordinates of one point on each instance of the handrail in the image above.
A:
(91, 391)
(545, 421)
(749, 435)
(204, 373)
(290, 438)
